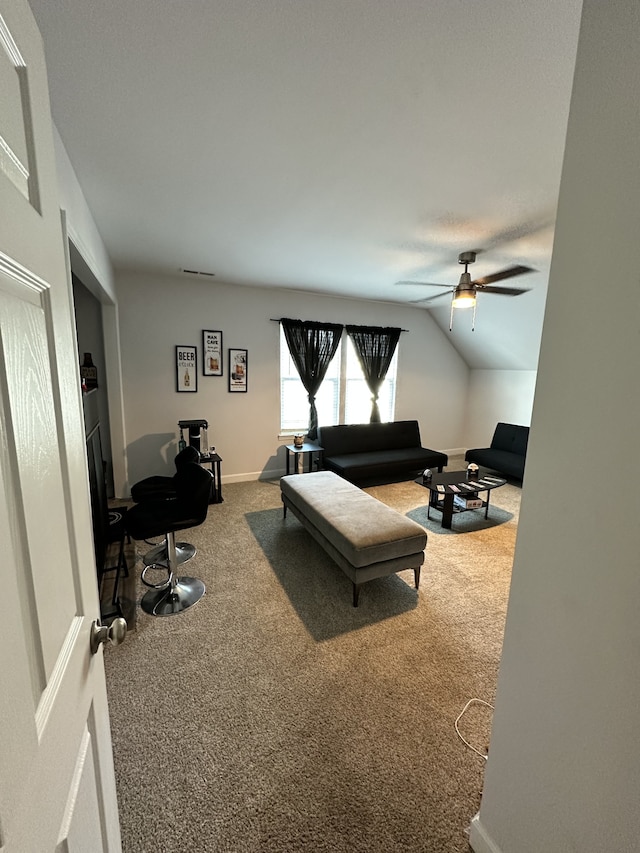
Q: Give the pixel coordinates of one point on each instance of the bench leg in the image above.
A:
(416, 575)
(356, 593)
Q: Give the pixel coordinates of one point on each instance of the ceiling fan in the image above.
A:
(465, 294)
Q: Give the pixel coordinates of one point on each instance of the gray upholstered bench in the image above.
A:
(366, 538)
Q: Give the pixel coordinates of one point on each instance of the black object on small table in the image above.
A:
(305, 447)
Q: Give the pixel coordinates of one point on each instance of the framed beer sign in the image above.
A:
(186, 371)
(238, 360)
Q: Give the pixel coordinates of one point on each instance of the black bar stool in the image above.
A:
(164, 518)
(158, 488)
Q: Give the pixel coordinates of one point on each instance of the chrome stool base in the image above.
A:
(158, 556)
(177, 598)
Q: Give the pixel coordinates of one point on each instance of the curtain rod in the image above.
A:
(275, 320)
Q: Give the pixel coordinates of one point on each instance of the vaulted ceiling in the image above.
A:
(334, 146)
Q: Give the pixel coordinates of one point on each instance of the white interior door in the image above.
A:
(57, 787)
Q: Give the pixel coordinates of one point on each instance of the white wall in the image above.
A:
(564, 760)
(90, 262)
(497, 395)
(157, 313)
(82, 230)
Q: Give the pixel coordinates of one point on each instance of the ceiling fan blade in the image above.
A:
(505, 291)
(510, 272)
(423, 283)
(430, 298)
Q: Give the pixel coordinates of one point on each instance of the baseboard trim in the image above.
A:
(273, 474)
(276, 473)
(455, 451)
(479, 839)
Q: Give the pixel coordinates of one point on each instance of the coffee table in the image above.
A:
(443, 489)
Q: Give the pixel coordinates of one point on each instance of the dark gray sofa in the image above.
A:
(507, 453)
(366, 454)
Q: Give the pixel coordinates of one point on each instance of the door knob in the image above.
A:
(114, 633)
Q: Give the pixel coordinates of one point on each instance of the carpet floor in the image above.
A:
(274, 717)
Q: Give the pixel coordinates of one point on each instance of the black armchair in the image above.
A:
(192, 484)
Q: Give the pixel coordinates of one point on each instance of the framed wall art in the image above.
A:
(211, 353)
(237, 370)
(186, 368)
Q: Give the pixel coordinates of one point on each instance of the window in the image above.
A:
(357, 394)
(344, 396)
(294, 401)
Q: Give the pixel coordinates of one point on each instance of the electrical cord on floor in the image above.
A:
(461, 714)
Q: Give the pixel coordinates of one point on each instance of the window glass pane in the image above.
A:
(328, 398)
(294, 407)
(294, 402)
(358, 396)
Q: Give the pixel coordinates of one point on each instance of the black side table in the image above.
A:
(307, 448)
(214, 460)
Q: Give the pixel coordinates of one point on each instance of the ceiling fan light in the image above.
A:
(464, 295)
(464, 299)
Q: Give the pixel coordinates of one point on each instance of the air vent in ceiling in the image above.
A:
(199, 272)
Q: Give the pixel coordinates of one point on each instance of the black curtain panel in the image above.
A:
(312, 346)
(374, 347)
